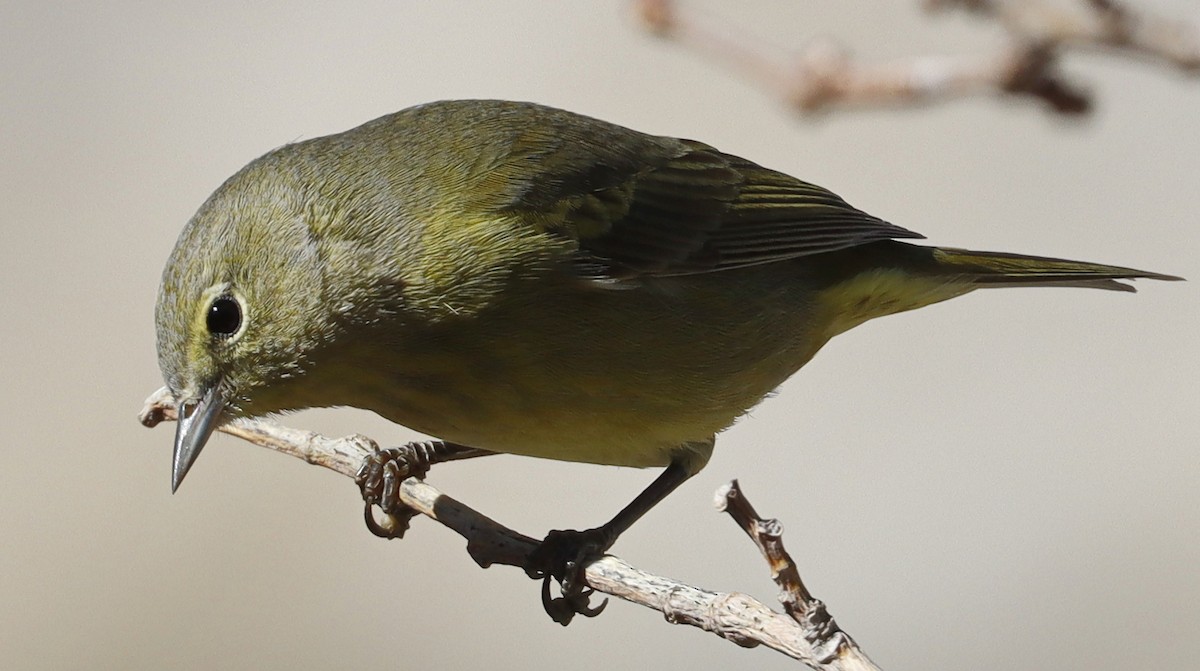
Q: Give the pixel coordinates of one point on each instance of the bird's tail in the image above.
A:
(887, 277)
(998, 269)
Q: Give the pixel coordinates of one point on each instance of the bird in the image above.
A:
(513, 278)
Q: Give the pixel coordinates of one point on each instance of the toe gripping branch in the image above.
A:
(562, 557)
(381, 473)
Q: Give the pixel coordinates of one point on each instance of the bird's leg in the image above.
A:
(381, 473)
(563, 555)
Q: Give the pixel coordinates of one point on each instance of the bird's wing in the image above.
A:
(686, 208)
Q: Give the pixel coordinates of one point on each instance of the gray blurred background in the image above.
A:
(1008, 480)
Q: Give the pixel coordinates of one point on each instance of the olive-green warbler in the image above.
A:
(516, 278)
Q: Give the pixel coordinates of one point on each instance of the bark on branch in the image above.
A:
(804, 631)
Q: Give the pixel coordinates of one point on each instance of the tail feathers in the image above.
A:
(883, 278)
(998, 269)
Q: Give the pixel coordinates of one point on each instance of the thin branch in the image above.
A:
(824, 74)
(804, 633)
(798, 602)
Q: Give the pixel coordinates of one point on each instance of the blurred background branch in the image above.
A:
(825, 75)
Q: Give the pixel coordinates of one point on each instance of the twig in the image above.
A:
(824, 74)
(804, 633)
(811, 613)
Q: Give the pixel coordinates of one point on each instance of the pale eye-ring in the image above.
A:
(224, 316)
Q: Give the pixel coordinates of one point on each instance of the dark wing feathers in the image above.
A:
(776, 217)
(643, 205)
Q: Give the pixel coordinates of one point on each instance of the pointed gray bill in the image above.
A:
(192, 431)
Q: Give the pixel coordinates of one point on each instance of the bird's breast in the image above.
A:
(573, 372)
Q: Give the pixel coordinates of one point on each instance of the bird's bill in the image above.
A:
(192, 431)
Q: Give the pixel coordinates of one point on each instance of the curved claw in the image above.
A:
(373, 526)
(564, 608)
(398, 522)
(379, 480)
(581, 604)
(562, 556)
(556, 608)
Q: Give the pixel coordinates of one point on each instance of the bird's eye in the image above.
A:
(224, 316)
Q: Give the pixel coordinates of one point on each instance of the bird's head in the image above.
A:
(240, 313)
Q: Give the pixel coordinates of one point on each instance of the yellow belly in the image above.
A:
(613, 376)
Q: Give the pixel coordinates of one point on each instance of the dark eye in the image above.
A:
(224, 317)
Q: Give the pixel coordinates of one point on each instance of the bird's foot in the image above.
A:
(379, 480)
(562, 556)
